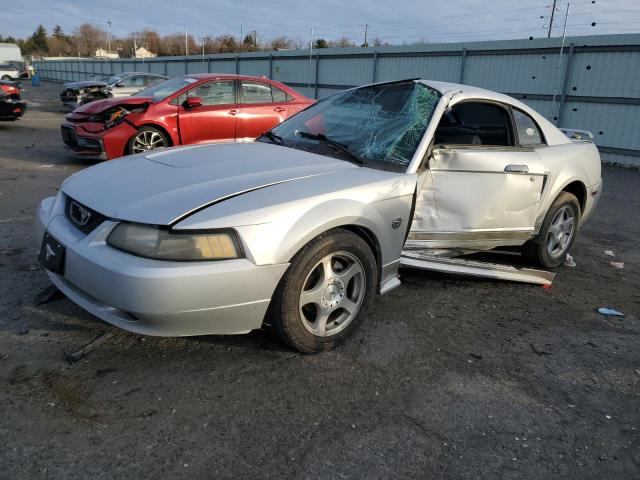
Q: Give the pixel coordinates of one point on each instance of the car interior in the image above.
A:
(474, 123)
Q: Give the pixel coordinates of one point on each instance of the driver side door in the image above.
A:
(481, 189)
(215, 119)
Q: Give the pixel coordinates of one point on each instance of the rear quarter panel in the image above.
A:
(566, 163)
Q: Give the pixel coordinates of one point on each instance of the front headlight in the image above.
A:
(152, 242)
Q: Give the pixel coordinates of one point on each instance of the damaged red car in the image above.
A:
(183, 110)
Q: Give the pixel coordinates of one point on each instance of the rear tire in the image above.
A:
(558, 232)
(326, 292)
(6, 77)
(147, 138)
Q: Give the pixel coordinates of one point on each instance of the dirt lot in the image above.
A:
(447, 378)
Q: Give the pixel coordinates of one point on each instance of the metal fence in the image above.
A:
(592, 83)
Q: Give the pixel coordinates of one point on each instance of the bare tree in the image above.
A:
(87, 38)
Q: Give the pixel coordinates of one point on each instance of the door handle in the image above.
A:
(233, 112)
(516, 169)
(279, 109)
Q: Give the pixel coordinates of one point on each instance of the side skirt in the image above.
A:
(475, 268)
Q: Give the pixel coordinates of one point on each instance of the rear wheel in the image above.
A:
(6, 77)
(557, 233)
(147, 138)
(326, 292)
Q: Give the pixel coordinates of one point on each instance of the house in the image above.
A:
(142, 52)
(102, 53)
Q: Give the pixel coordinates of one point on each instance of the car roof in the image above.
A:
(228, 75)
(464, 92)
(137, 73)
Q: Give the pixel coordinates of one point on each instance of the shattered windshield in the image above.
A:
(162, 90)
(380, 125)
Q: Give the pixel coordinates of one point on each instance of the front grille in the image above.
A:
(69, 136)
(82, 217)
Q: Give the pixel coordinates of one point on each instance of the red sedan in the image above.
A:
(183, 110)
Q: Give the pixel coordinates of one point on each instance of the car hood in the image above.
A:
(84, 84)
(164, 187)
(98, 106)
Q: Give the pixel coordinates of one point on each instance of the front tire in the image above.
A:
(146, 139)
(326, 291)
(558, 232)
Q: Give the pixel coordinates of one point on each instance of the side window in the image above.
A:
(474, 123)
(220, 92)
(256, 92)
(279, 95)
(134, 81)
(528, 131)
(151, 80)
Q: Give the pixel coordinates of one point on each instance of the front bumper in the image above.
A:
(92, 140)
(11, 109)
(153, 297)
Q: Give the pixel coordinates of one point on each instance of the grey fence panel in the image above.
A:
(175, 68)
(342, 71)
(197, 67)
(606, 74)
(223, 66)
(254, 67)
(445, 69)
(157, 67)
(291, 70)
(594, 86)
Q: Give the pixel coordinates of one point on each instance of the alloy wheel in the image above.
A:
(561, 231)
(147, 140)
(332, 294)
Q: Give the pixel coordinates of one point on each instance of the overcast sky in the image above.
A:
(396, 22)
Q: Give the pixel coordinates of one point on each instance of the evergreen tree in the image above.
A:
(39, 38)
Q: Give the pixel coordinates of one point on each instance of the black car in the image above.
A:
(11, 106)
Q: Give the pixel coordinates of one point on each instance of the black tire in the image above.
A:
(148, 130)
(6, 77)
(287, 311)
(536, 250)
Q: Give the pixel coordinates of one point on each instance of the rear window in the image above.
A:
(528, 131)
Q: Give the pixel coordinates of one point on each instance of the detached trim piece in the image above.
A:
(476, 269)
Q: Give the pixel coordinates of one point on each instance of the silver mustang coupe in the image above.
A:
(302, 227)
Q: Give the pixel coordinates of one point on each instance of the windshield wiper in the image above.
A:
(337, 145)
(277, 139)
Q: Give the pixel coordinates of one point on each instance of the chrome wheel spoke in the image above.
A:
(331, 299)
(348, 273)
(320, 324)
(561, 231)
(313, 295)
(349, 306)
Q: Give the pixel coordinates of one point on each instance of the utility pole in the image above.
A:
(553, 12)
(557, 79)
(108, 36)
(241, 39)
(186, 43)
(366, 31)
(310, 58)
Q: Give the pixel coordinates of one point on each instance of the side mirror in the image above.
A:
(192, 102)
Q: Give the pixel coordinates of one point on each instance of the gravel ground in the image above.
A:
(447, 378)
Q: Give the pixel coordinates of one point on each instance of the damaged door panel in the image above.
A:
(476, 199)
(480, 190)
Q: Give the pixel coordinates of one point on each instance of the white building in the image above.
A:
(102, 53)
(142, 52)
